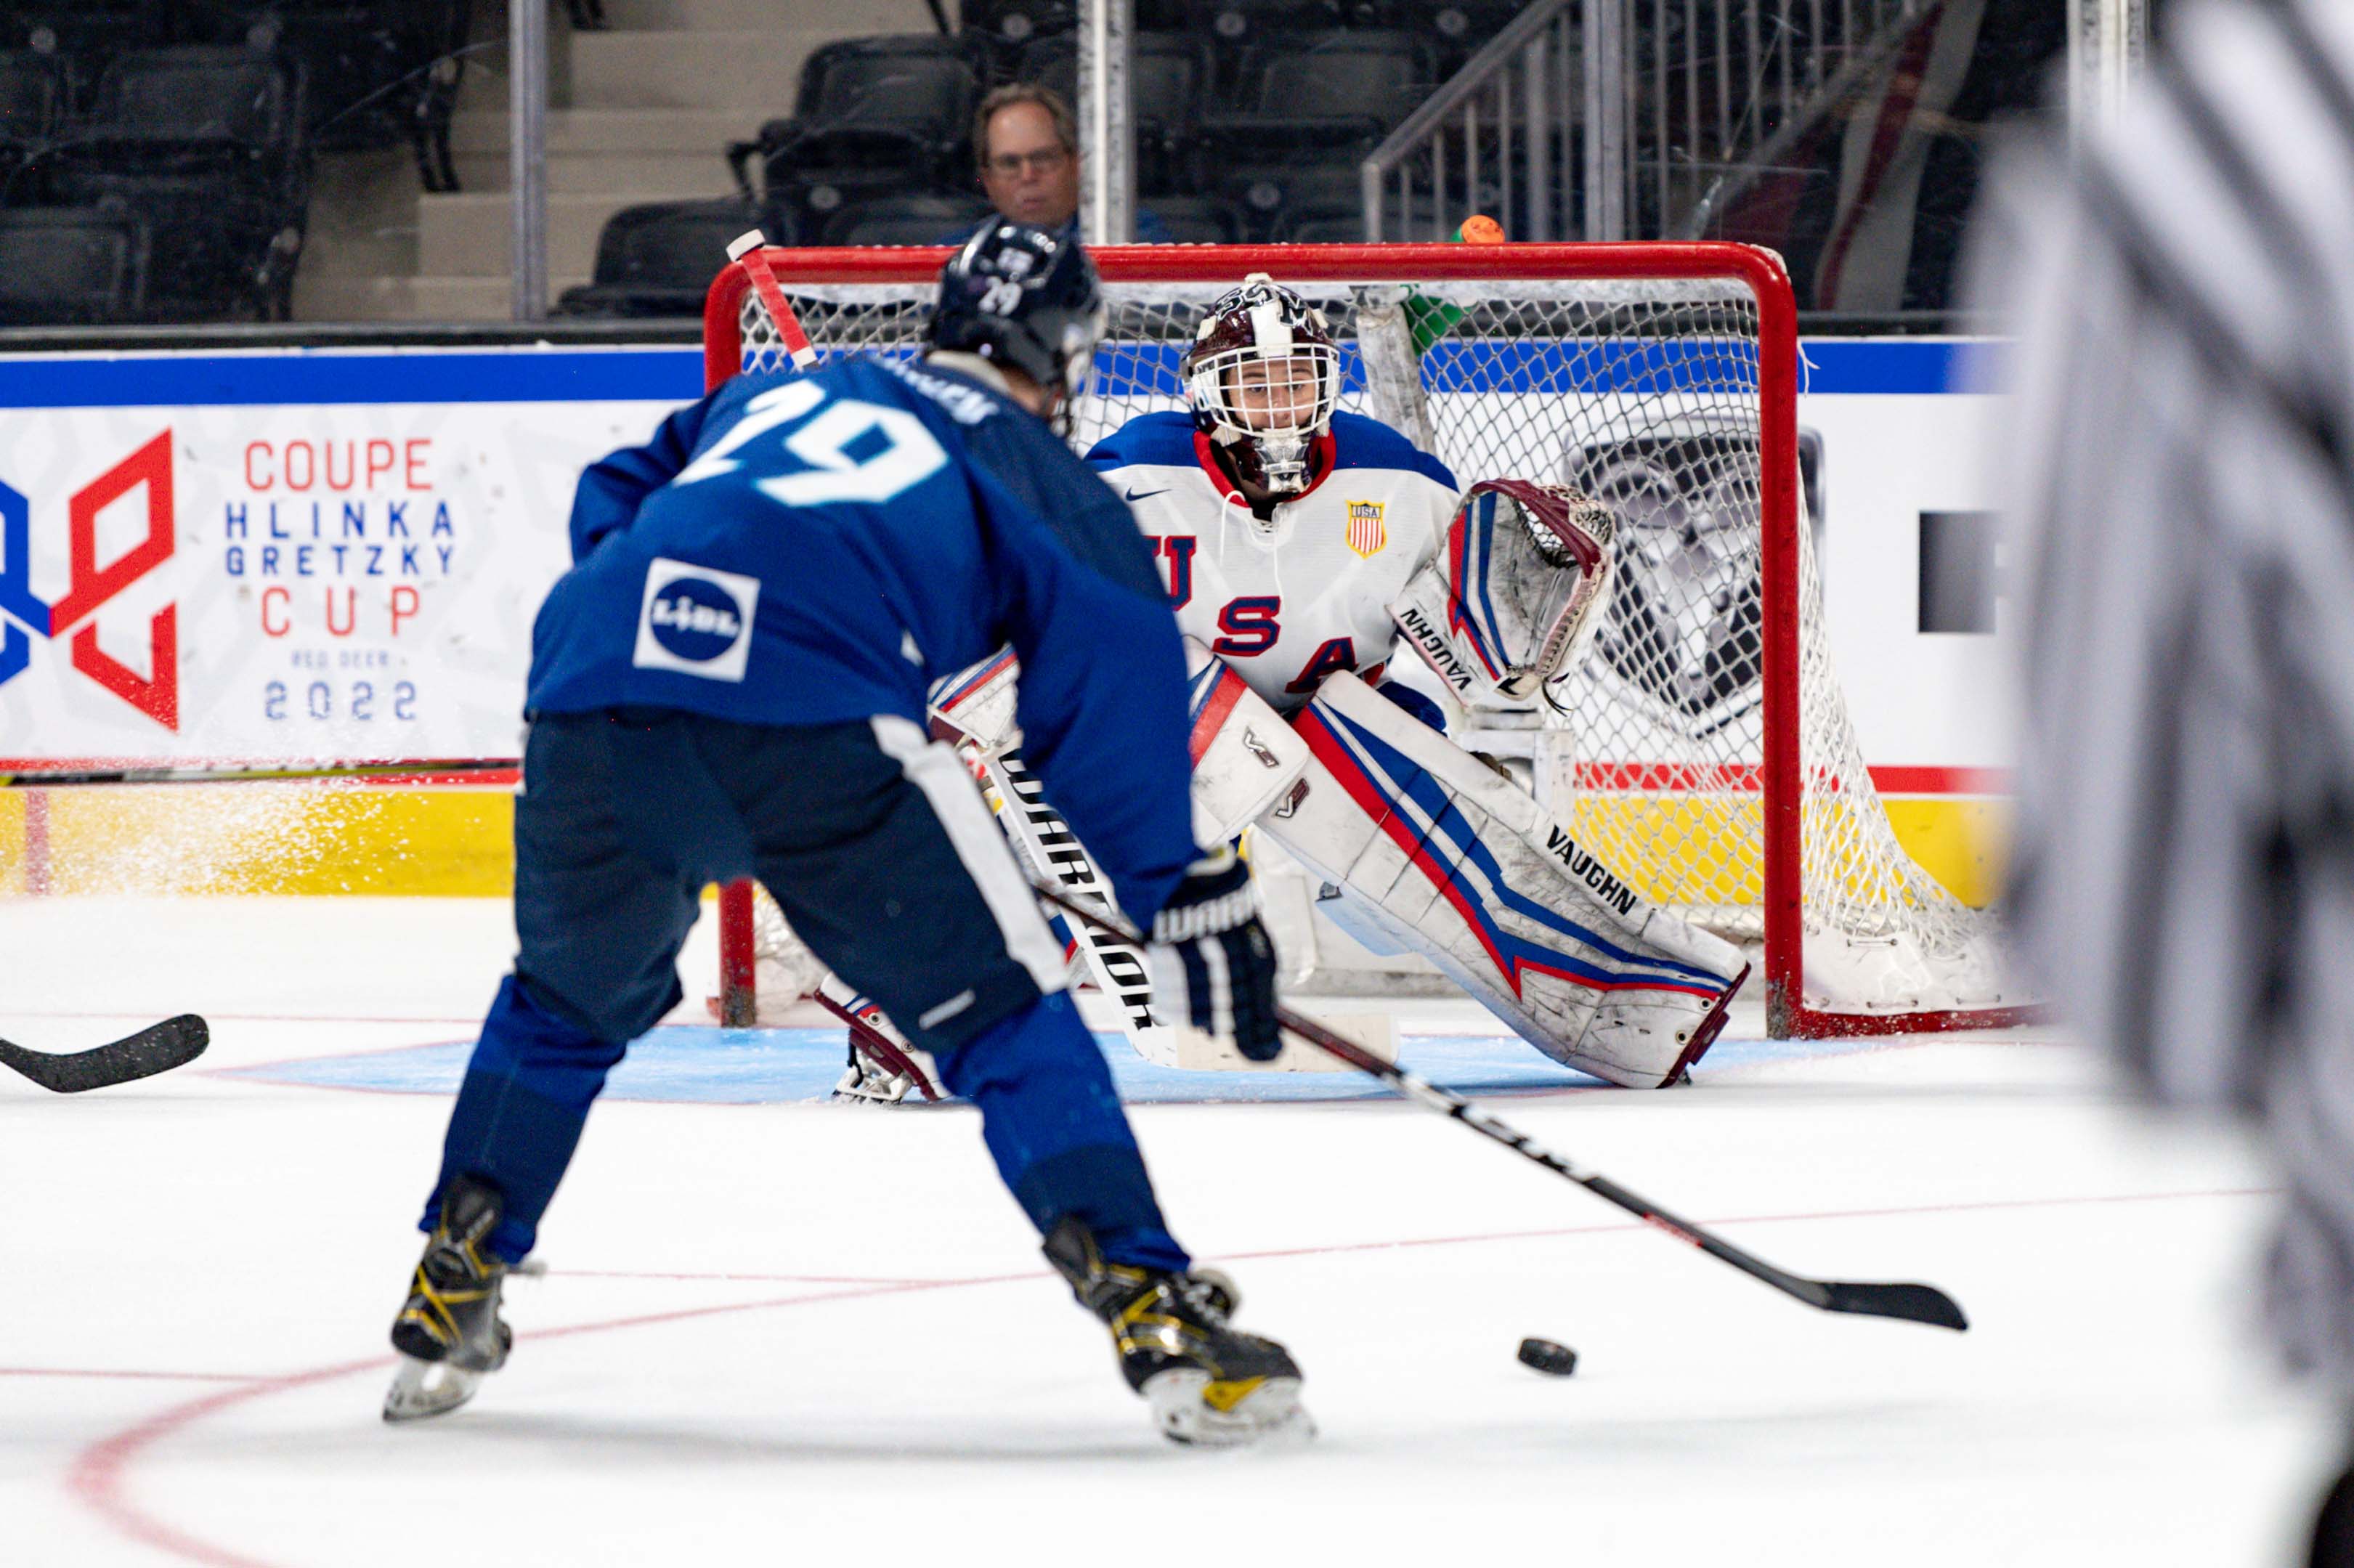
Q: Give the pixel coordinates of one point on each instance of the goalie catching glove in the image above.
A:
(1506, 603)
(1208, 947)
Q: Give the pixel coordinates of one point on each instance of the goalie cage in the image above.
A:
(1704, 749)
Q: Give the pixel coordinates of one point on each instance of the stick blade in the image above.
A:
(157, 1048)
(1912, 1303)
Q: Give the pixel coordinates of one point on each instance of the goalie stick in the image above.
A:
(1044, 842)
(881, 1047)
(158, 1048)
(1912, 1303)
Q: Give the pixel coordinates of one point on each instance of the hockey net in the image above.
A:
(1702, 747)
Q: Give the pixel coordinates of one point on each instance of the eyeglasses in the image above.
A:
(1007, 165)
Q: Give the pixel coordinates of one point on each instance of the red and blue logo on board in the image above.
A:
(90, 587)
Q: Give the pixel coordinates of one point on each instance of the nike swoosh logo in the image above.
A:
(1143, 496)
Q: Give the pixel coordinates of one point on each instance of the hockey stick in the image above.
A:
(1912, 1303)
(44, 778)
(1046, 842)
(158, 1048)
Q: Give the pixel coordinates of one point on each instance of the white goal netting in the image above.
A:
(1645, 394)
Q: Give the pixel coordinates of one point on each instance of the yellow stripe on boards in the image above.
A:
(1962, 840)
(13, 847)
(270, 839)
(1688, 850)
(458, 840)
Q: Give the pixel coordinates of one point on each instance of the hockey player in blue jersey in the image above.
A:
(731, 682)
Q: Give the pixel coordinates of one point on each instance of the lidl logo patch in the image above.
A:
(696, 620)
(91, 586)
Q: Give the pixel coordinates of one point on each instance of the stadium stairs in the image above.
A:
(642, 112)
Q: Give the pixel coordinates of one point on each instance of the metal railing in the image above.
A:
(1622, 119)
(1496, 139)
(1872, 35)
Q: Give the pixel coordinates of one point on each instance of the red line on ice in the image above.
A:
(98, 1476)
(746, 1278)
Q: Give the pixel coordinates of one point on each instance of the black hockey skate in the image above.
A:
(448, 1334)
(1206, 1382)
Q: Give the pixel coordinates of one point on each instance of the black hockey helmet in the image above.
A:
(1026, 298)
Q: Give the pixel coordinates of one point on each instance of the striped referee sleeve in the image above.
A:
(2177, 468)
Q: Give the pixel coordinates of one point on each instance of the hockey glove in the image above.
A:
(1208, 947)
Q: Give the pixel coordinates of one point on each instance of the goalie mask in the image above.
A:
(1263, 375)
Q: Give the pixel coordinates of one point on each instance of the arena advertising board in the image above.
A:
(320, 554)
(302, 557)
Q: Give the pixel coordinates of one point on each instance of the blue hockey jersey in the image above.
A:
(810, 550)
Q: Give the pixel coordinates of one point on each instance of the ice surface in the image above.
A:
(776, 1330)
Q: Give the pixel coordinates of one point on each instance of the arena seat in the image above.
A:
(1458, 28)
(874, 117)
(1233, 22)
(1274, 199)
(919, 219)
(1013, 24)
(1198, 220)
(84, 34)
(1334, 93)
(207, 144)
(377, 72)
(658, 258)
(32, 106)
(1008, 25)
(72, 266)
(1324, 225)
(1167, 75)
(1051, 62)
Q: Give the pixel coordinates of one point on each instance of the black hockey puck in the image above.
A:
(1553, 1361)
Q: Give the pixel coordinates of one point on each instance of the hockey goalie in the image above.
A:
(1300, 544)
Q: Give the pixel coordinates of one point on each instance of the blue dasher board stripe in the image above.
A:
(527, 375)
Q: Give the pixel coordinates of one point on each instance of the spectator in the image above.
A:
(1027, 145)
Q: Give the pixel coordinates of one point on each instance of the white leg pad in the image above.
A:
(1473, 874)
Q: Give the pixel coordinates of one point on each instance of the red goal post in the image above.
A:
(1668, 370)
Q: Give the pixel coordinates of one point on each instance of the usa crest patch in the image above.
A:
(1366, 535)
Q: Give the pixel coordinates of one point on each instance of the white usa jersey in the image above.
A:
(1288, 603)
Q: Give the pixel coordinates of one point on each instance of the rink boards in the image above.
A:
(324, 552)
